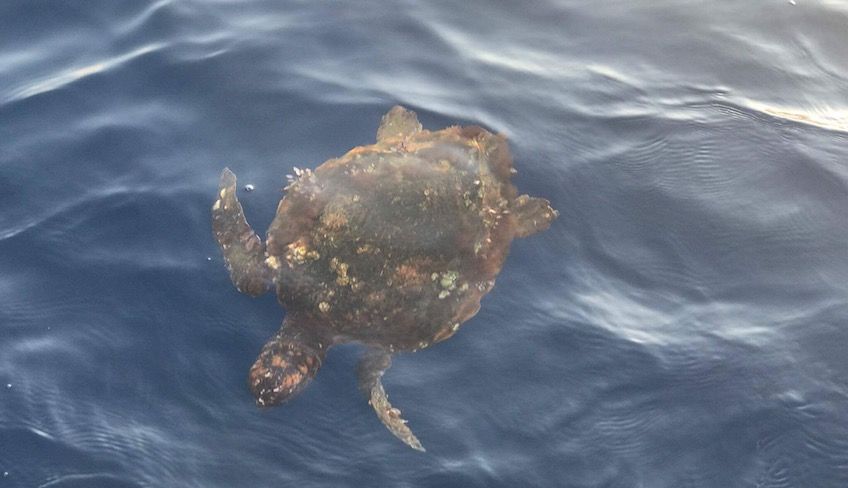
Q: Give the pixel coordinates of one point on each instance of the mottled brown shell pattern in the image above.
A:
(392, 245)
(395, 243)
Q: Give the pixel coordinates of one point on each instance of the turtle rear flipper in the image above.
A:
(244, 252)
(398, 122)
(532, 215)
(370, 371)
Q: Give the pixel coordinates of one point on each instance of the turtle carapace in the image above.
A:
(391, 245)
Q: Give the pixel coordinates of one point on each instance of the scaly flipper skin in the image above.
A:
(243, 250)
(398, 122)
(532, 215)
(370, 371)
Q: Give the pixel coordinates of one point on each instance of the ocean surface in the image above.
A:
(683, 324)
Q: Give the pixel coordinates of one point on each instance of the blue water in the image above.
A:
(684, 323)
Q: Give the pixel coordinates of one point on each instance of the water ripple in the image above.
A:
(70, 75)
(831, 118)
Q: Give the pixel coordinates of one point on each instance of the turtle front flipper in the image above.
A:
(370, 372)
(532, 215)
(243, 250)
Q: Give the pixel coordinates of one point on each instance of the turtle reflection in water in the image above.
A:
(391, 245)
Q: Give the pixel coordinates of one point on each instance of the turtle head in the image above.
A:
(285, 366)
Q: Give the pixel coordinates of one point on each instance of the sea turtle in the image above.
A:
(391, 245)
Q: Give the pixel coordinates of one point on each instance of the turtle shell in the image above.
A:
(395, 243)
